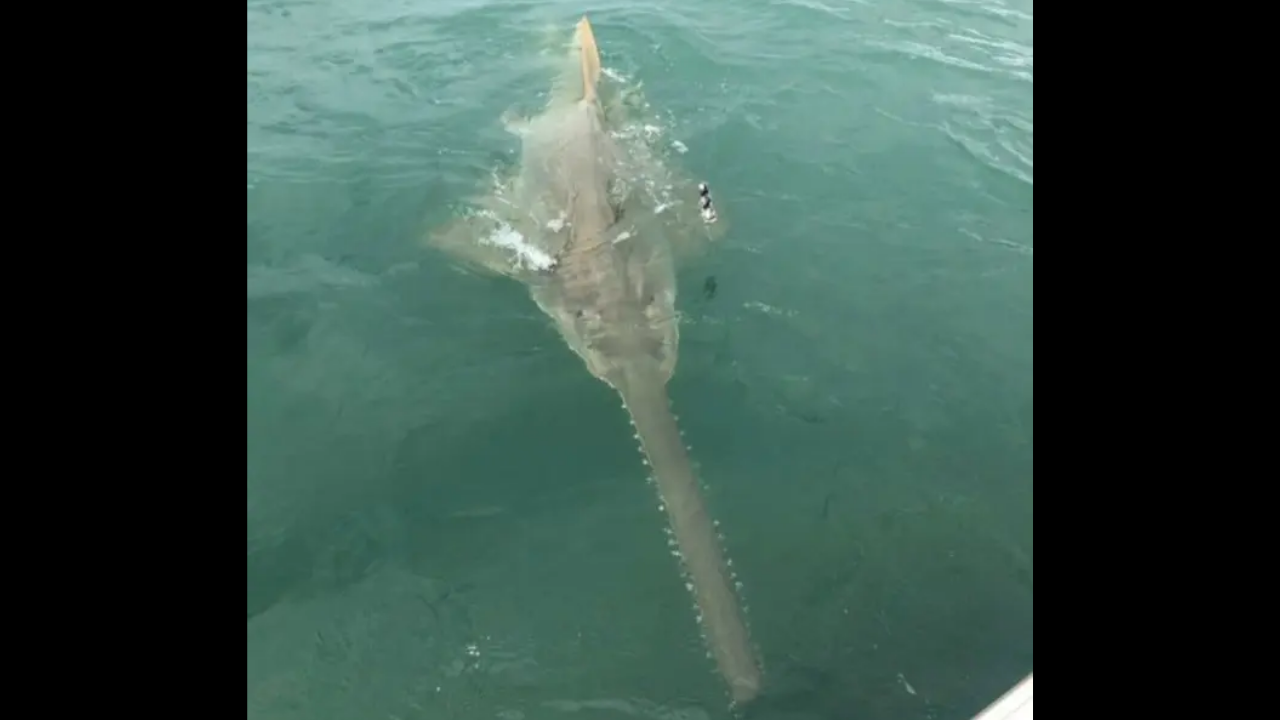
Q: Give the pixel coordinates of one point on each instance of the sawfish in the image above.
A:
(593, 227)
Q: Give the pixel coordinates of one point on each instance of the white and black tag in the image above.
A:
(705, 205)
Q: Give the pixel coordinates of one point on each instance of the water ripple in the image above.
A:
(999, 137)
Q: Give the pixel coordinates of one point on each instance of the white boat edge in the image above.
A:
(1013, 705)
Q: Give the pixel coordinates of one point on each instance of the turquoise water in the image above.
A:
(446, 514)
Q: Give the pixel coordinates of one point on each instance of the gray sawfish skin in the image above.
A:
(598, 260)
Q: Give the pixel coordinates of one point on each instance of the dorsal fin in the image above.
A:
(589, 55)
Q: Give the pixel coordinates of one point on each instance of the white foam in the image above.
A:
(526, 255)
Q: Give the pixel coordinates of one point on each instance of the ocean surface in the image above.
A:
(446, 514)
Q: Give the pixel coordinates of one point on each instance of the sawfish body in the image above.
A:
(597, 254)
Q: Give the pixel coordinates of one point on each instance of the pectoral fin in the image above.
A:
(463, 239)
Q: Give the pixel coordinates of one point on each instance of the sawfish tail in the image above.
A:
(708, 577)
(589, 57)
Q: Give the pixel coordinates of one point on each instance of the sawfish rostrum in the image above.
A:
(592, 225)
